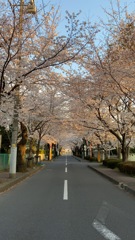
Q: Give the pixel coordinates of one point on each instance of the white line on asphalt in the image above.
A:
(104, 231)
(65, 169)
(103, 213)
(66, 161)
(65, 193)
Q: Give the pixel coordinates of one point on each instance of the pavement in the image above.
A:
(7, 183)
(124, 181)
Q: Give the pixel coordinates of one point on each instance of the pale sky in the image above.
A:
(90, 8)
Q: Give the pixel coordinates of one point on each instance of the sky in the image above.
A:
(89, 8)
(92, 9)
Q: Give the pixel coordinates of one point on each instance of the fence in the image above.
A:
(4, 161)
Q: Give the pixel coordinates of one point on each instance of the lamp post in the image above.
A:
(31, 9)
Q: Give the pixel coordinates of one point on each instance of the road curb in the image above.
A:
(122, 185)
(7, 185)
(106, 176)
(130, 190)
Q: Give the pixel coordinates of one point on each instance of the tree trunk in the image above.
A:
(21, 150)
(124, 149)
(125, 153)
(119, 152)
(37, 151)
(30, 154)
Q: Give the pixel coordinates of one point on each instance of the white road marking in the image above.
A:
(65, 193)
(103, 213)
(104, 231)
(66, 161)
(65, 169)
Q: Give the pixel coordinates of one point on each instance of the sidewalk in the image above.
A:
(124, 181)
(7, 183)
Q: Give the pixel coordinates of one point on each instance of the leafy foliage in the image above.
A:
(127, 167)
(111, 163)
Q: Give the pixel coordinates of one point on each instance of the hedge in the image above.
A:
(111, 163)
(127, 167)
(92, 159)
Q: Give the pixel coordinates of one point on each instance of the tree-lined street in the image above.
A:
(59, 88)
(67, 86)
(93, 208)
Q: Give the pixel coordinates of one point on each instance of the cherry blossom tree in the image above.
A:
(106, 91)
(31, 47)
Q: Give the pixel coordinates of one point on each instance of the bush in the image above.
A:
(105, 163)
(127, 167)
(111, 163)
(92, 159)
(132, 150)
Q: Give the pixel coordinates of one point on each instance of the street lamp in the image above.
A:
(30, 9)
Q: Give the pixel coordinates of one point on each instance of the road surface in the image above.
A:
(67, 201)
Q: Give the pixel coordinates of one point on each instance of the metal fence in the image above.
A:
(4, 161)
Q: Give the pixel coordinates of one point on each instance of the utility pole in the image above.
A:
(31, 9)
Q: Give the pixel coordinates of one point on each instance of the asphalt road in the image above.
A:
(67, 201)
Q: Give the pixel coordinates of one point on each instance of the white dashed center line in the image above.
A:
(65, 193)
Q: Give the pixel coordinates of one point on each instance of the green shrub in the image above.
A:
(87, 158)
(105, 162)
(127, 167)
(132, 150)
(92, 159)
(121, 166)
(111, 163)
